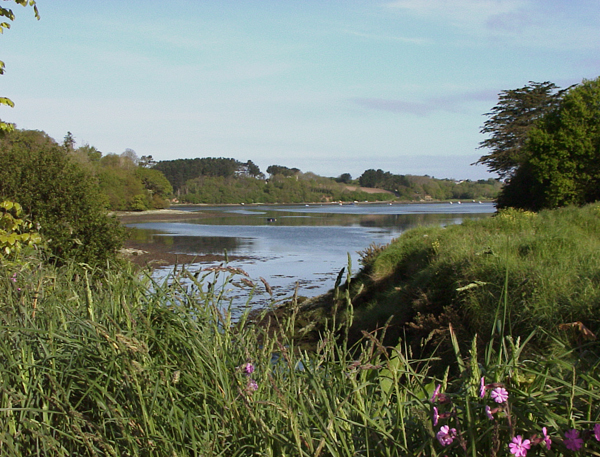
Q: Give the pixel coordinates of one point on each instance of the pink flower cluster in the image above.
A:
(445, 434)
(248, 369)
(14, 279)
(519, 445)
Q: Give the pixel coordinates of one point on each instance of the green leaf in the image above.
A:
(6, 101)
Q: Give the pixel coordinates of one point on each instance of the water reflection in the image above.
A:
(183, 244)
(306, 245)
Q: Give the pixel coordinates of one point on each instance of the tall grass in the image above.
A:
(431, 277)
(109, 363)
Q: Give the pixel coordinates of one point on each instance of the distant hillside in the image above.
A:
(225, 180)
(368, 190)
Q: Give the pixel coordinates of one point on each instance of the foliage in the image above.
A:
(179, 171)
(344, 178)
(409, 187)
(278, 189)
(59, 195)
(127, 183)
(133, 367)
(563, 165)
(16, 232)
(544, 265)
(8, 14)
(281, 170)
(510, 122)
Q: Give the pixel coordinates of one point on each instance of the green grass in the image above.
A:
(544, 265)
(109, 363)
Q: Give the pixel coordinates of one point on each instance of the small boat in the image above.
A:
(271, 219)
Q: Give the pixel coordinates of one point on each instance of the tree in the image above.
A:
(8, 13)
(146, 162)
(129, 158)
(251, 169)
(69, 142)
(563, 150)
(281, 170)
(511, 120)
(60, 196)
(344, 178)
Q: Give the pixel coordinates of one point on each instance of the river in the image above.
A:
(302, 245)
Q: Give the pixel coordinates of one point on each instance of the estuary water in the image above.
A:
(302, 246)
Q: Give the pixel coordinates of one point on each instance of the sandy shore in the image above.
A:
(159, 215)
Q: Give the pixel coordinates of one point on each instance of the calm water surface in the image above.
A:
(304, 245)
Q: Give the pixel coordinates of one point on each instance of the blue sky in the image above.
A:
(327, 86)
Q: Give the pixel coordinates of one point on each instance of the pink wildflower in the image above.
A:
(546, 439)
(572, 440)
(436, 416)
(488, 413)
(252, 386)
(482, 387)
(499, 394)
(519, 446)
(597, 431)
(249, 368)
(446, 435)
(436, 392)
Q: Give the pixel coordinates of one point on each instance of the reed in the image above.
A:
(111, 363)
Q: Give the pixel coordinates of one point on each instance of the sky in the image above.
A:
(326, 86)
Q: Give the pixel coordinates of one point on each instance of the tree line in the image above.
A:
(222, 180)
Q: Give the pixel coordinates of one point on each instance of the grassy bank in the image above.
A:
(111, 363)
(542, 266)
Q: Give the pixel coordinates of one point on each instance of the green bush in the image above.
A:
(16, 232)
(60, 196)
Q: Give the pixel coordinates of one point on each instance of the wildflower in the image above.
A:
(436, 392)
(499, 395)
(519, 446)
(252, 386)
(248, 368)
(597, 431)
(436, 416)
(446, 435)
(482, 387)
(488, 413)
(14, 277)
(546, 438)
(572, 440)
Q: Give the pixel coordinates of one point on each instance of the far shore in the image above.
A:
(173, 214)
(157, 255)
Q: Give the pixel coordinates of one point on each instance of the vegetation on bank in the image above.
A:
(109, 363)
(543, 267)
(222, 181)
(59, 197)
(277, 189)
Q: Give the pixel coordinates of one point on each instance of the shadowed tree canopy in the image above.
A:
(563, 155)
(281, 170)
(179, 171)
(511, 120)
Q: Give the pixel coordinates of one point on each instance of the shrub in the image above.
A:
(59, 196)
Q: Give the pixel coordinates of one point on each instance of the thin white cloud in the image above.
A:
(550, 24)
(379, 37)
(452, 104)
(460, 11)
